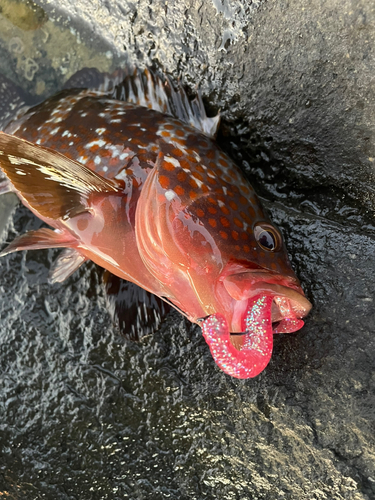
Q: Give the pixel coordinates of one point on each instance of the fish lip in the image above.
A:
(298, 302)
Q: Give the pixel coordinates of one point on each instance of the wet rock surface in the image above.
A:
(86, 414)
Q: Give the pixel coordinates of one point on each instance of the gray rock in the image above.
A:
(86, 414)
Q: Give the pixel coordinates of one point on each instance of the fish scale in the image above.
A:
(153, 199)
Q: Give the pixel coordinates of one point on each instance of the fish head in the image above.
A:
(222, 262)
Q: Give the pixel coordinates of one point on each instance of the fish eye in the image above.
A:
(267, 237)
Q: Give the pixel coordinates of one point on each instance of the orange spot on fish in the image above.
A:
(164, 181)
(235, 235)
(212, 222)
(193, 195)
(177, 152)
(223, 234)
(179, 190)
(200, 212)
(225, 210)
(225, 222)
(212, 210)
(243, 200)
(233, 205)
(168, 166)
(238, 222)
(246, 248)
(165, 133)
(251, 212)
(181, 176)
(192, 183)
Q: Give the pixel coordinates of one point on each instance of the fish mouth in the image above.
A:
(289, 304)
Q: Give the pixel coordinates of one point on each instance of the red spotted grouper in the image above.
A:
(140, 187)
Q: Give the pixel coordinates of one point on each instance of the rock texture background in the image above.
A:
(85, 414)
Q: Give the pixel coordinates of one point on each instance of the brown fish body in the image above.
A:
(174, 215)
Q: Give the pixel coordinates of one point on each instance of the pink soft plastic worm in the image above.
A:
(257, 348)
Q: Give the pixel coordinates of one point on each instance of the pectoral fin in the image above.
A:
(39, 239)
(50, 183)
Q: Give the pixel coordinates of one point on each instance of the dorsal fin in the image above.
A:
(152, 91)
(52, 184)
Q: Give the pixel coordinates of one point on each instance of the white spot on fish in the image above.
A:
(100, 131)
(98, 142)
(38, 141)
(116, 120)
(170, 195)
(20, 172)
(105, 169)
(123, 156)
(55, 130)
(97, 160)
(174, 162)
(121, 175)
(225, 190)
(200, 183)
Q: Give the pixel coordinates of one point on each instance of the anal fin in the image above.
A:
(65, 265)
(37, 240)
(137, 312)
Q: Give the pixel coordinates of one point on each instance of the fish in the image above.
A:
(131, 178)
